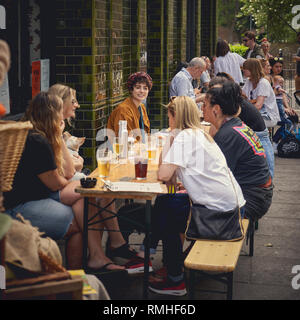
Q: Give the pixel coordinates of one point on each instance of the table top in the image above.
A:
(123, 172)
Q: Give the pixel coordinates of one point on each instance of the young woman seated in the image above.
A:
(196, 159)
(42, 193)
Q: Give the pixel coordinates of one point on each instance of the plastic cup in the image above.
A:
(152, 147)
(104, 161)
(141, 166)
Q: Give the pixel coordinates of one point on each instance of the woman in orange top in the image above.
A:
(132, 109)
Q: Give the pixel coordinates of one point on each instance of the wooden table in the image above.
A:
(121, 172)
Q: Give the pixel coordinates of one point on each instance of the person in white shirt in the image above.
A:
(181, 84)
(193, 157)
(259, 91)
(205, 76)
(229, 62)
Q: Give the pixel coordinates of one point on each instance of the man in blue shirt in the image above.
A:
(181, 84)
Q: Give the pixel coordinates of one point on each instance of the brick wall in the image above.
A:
(208, 27)
(99, 43)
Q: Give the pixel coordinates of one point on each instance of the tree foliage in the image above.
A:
(271, 16)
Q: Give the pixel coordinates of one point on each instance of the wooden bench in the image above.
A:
(58, 286)
(216, 260)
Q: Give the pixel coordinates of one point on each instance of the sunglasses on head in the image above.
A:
(251, 95)
(278, 59)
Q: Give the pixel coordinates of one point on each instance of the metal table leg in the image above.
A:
(85, 233)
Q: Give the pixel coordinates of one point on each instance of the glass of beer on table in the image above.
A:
(104, 157)
(117, 147)
(152, 147)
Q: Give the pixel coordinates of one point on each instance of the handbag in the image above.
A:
(289, 146)
(208, 224)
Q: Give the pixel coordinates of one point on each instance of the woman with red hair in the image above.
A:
(132, 108)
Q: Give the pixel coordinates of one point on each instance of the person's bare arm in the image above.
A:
(53, 180)
(78, 162)
(259, 102)
(68, 164)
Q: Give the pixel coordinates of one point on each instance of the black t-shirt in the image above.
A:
(37, 158)
(244, 153)
(251, 116)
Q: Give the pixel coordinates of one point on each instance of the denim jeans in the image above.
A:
(266, 143)
(285, 123)
(49, 215)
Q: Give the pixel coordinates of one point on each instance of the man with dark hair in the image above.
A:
(254, 50)
(297, 60)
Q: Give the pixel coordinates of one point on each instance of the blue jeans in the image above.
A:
(266, 143)
(284, 122)
(49, 215)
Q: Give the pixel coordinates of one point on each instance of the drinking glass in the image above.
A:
(117, 147)
(152, 147)
(104, 160)
(140, 161)
(140, 166)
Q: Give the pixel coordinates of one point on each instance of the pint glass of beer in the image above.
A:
(104, 157)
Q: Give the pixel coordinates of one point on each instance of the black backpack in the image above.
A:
(289, 147)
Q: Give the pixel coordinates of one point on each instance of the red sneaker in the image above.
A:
(136, 265)
(168, 287)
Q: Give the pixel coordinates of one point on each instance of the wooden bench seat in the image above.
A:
(215, 259)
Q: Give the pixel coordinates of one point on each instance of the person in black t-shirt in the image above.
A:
(43, 195)
(251, 116)
(242, 149)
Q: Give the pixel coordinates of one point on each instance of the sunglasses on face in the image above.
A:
(245, 40)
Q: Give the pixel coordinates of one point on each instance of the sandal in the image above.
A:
(104, 269)
(121, 252)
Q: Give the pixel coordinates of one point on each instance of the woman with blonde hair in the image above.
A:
(70, 104)
(193, 157)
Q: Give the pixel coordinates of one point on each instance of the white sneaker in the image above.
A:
(275, 145)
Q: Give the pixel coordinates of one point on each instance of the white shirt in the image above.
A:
(230, 64)
(181, 85)
(205, 77)
(203, 171)
(264, 89)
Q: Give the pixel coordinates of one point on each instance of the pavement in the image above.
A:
(265, 276)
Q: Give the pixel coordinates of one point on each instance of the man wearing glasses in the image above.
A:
(254, 51)
(181, 84)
